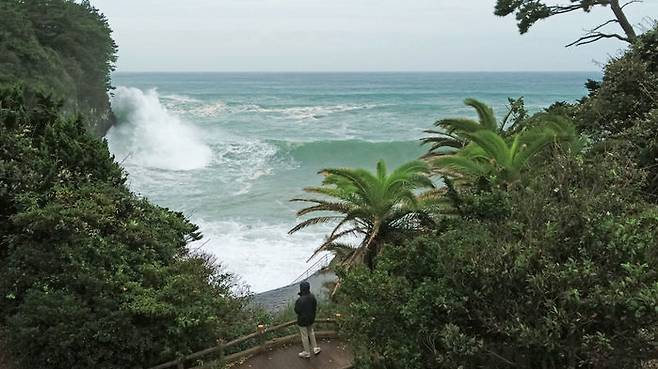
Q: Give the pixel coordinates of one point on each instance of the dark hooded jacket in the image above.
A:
(305, 305)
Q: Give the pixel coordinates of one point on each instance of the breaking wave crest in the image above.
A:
(201, 109)
(149, 135)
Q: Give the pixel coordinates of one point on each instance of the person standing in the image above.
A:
(305, 308)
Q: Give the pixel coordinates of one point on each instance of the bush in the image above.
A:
(640, 142)
(90, 274)
(621, 112)
(565, 281)
(647, 48)
(628, 92)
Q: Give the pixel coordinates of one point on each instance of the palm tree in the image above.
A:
(371, 206)
(450, 138)
(490, 155)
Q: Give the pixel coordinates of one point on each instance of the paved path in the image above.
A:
(334, 355)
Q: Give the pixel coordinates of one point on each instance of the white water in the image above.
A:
(209, 175)
(151, 136)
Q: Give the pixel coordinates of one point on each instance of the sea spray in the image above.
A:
(149, 135)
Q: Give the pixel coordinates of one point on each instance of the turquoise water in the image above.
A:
(230, 149)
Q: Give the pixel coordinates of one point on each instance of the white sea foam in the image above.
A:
(210, 110)
(262, 253)
(243, 162)
(150, 135)
(213, 109)
(180, 99)
(307, 112)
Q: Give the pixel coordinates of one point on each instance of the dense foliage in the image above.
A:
(469, 150)
(61, 46)
(628, 92)
(557, 271)
(92, 276)
(621, 110)
(564, 278)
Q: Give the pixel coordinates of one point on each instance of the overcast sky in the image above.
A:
(348, 35)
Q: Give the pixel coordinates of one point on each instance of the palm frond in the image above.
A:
(338, 193)
(381, 170)
(360, 179)
(348, 218)
(438, 142)
(486, 114)
(326, 206)
(493, 144)
(330, 241)
(312, 221)
(341, 251)
(451, 164)
(455, 125)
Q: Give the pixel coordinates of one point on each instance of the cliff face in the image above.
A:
(63, 47)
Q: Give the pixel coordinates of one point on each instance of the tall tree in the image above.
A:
(528, 12)
(369, 205)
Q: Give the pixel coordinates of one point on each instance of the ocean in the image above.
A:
(231, 149)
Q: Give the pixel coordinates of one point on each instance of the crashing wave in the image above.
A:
(149, 135)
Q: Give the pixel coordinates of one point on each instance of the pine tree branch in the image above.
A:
(602, 25)
(631, 2)
(596, 36)
(558, 9)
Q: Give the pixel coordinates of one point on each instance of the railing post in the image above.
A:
(338, 317)
(220, 343)
(261, 337)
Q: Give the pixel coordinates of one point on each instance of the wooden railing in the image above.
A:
(219, 355)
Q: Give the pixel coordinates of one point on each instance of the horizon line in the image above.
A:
(357, 71)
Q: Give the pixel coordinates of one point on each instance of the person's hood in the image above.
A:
(304, 288)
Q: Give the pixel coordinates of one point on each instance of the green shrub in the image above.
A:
(640, 142)
(90, 274)
(647, 48)
(565, 281)
(628, 92)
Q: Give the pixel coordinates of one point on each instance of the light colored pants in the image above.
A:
(307, 334)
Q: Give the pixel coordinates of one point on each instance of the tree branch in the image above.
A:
(596, 36)
(557, 9)
(561, 9)
(602, 25)
(630, 2)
